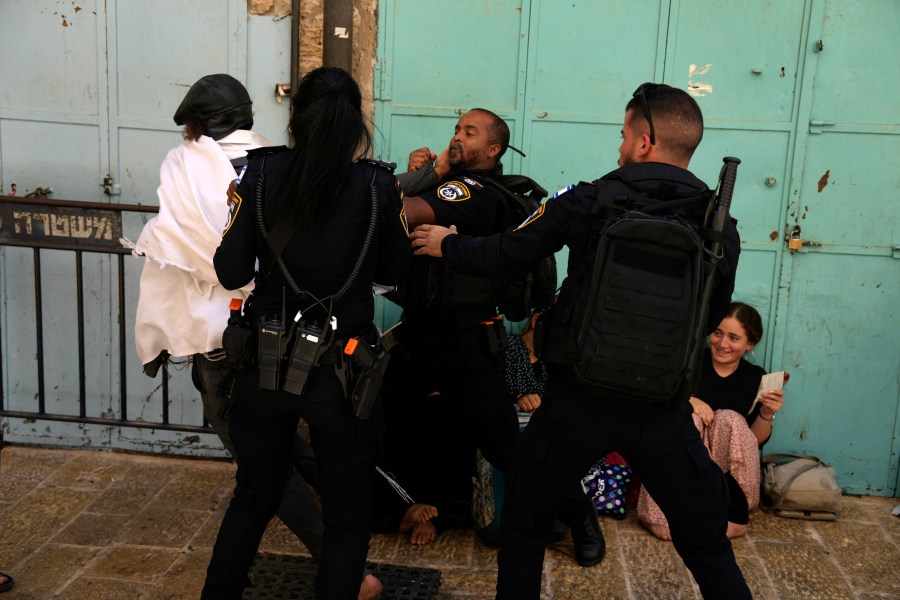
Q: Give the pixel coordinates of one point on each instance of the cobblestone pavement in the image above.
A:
(81, 524)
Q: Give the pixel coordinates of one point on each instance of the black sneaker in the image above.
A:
(590, 547)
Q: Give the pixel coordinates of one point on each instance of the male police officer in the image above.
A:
(452, 333)
(662, 128)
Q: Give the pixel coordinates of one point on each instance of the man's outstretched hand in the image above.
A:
(426, 239)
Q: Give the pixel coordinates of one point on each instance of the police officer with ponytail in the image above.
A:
(323, 224)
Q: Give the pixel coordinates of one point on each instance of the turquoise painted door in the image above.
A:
(561, 74)
(432, 68)
(88, 91)
(837, 321)
(54, 132)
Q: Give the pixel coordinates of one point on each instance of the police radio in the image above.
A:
(273, 340)
(272, 334)
(307, 341)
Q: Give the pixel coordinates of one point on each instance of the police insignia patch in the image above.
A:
(404, 221)
(234, 206)
(534, 217)
(453, 191)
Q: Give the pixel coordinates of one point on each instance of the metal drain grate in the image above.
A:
(285, 577)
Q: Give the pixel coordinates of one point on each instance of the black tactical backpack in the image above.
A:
(636, 333)
(517, 299)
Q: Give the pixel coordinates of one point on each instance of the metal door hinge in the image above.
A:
(816, 125)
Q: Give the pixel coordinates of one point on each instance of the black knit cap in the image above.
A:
(221, 102)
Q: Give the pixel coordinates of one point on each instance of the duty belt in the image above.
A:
(332, 354)
(491, 332)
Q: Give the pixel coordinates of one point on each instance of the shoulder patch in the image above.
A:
(453, 191)
(388, 166)
(562, 191)
(534, 217)
(472, 182)
(234, 206)
(404, 221)
(264, 150)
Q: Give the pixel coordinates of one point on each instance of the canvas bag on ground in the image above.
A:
(801, 487)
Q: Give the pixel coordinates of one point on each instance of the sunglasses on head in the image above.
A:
(641, 93)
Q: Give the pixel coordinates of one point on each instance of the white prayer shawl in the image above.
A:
(236, 143)
(183, 308)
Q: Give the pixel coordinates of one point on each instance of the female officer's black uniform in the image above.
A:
(263, 422)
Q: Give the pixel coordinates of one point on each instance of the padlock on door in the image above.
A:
(795, 242)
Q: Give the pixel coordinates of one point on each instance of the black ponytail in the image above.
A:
(329, 133)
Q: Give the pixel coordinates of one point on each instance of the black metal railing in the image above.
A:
(78, 227)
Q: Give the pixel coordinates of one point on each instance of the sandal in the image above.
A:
(8, 584)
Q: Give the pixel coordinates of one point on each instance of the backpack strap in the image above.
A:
(519, 199)
(280, 234)
(663, 199)
(524, 185)
(523, 197)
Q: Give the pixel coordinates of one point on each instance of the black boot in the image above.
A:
(590, 547)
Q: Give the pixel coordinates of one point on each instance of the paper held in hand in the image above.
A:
(768, 383)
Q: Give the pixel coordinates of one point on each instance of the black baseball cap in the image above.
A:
(221, 102)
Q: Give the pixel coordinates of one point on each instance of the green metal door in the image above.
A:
(836, 324)
(433, 66)
(87, 92)
(561, 73)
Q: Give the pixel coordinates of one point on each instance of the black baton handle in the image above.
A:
(726, 190)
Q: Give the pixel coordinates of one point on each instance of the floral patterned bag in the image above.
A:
(607, 485)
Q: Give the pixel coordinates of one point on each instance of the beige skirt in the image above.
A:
(733, 447)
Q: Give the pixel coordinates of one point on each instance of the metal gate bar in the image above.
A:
(110, 245)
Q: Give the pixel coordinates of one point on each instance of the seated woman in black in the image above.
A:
(733, 419)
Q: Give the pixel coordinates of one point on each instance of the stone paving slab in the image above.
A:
(81, 524)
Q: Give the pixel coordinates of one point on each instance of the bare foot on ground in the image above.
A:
(417, 522)
(423, 533)
(663, 533)
(417, 513)
(735, 530)
(660, 531)
(370, 588)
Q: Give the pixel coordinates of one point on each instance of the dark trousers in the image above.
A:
(263, 425)
(472, 395)
(443, 396)
(299, 509)
(561, 442)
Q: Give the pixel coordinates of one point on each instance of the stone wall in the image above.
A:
(365, 31)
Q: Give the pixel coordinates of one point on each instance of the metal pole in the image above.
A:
(337, 35)
(295, 45)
